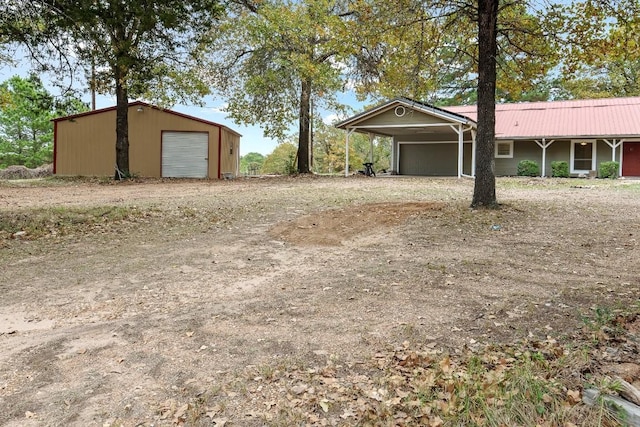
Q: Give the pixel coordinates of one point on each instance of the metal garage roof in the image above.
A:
(144, 104)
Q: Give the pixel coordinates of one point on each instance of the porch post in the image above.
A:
(613, 156)
(615, 144)
(473, 153)
(544, 144)
(621, 152)
(460, 149)
(544, 157)
(346, 154)
(371, 138)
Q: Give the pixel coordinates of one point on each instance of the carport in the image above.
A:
(427, 140)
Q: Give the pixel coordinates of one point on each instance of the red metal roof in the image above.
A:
(607, 117)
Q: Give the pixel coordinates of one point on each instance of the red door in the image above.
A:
(631, 159)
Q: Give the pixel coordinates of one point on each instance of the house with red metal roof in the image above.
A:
(433, 141)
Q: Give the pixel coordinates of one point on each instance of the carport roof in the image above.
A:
(358, 122)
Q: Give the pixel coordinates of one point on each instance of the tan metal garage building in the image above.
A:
(162, 143)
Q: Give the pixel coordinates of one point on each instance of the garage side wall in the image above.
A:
(230, 153)
(86, 145)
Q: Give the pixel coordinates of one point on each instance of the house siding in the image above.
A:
(559, 150)
(389, 117)
(522, 150)
(529, 150)
(603, 153)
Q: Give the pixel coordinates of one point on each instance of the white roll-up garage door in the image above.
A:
(185, 154)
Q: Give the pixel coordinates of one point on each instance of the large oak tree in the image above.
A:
(140, 48)
(274, 58)
(452, 52)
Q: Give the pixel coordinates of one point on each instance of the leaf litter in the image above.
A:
(417, 312)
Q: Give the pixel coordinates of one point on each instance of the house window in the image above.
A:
(583, 156)
(504, 149)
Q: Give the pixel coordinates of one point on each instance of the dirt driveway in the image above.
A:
(199, 285)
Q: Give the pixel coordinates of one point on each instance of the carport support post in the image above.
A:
(473, 152)
(346, 153)
(371, 138)
(460, 149)
(544, 144)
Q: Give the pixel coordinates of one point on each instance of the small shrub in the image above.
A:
(528, 168)
(609, 170)
(560, 169)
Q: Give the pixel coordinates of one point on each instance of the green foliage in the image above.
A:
(282, 160)
(144, 45)
(329, 151)
(602, 316)
(274, 58)
(560, 169)
(26, 131)
(251, 163)
(429, 51)
(609, 170)
(139, 48)
(602, 50)
(528, 168)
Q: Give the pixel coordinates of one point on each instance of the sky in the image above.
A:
(253, 139)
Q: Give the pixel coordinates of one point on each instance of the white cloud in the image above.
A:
(331, 119)
(220, 109)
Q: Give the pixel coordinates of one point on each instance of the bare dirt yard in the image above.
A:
(296, 301)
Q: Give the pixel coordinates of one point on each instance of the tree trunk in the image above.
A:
(484, 192)
(303, 138)
(122, 128)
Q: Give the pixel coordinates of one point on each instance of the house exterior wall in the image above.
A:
(410, 117)
(427, 155)
(443, 135)
(603, 153)
(85, 145)
(522, 150)
(559, 150)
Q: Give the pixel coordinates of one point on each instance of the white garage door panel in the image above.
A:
(185, 154)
